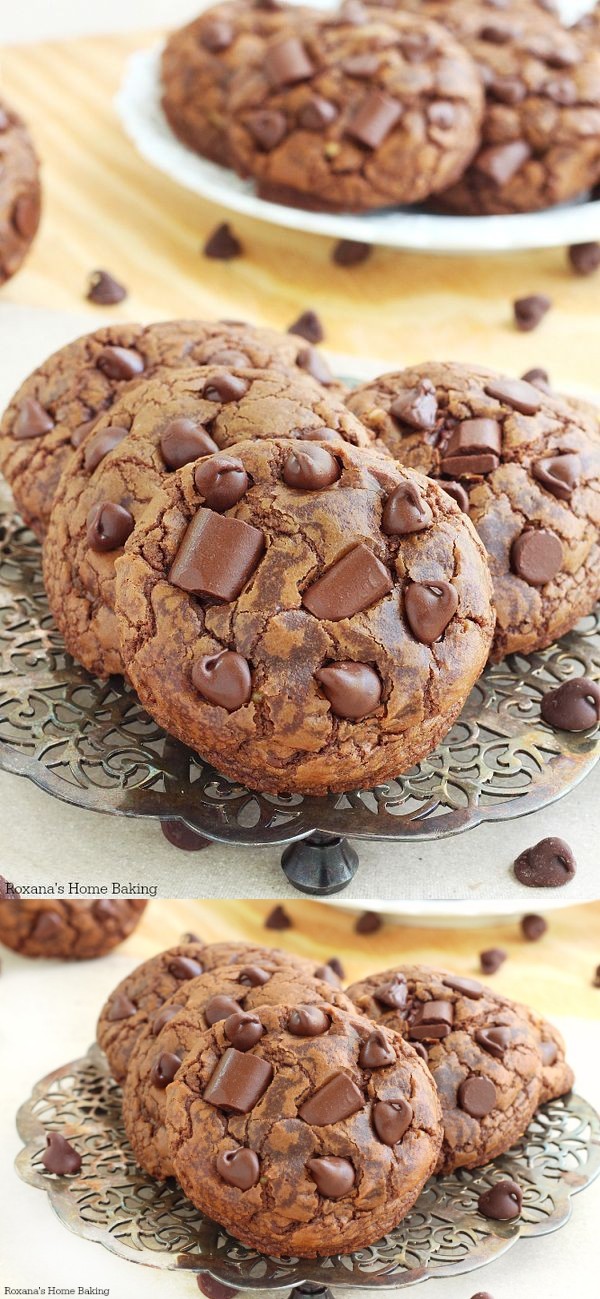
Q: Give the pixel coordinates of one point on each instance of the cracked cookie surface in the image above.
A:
(68, 931)
(20, 191)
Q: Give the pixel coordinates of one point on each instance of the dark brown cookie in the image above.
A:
(20, 192)
(356, 115)
(68, 931)
(58, 405)
(304, 1145)
(236, 990)
(317, 627)
(528, 466)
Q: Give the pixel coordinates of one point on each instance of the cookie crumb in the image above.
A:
(222, 245)
(104, 290)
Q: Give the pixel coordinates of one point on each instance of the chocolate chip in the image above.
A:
(391, 1119)
(432, 1020)
(254, 976)
(473, 439)
(82, 431)
(421, 1050)
(328, 975)
(405, 511)
(223, 679)
(217, 556)
(225, 387)
(164, 1017)
(108, 526)
(308, 1021)
(310, 468)
(362, 66)
(377, 1051)
(120, 362)
(536, 556)
(121, 1007)
(573, 706)
(417, 407)
(286, 62)
(335, 965)
(429, 607)
(466, 987)
(353, 689)
(502, 1202)
(352, 584)
(32, 420)
(243, 1030)
(238, 1082)
(492, 959)
(184, 440)
(337, 1099)
(596, 979)
(316, 115)
(164, 1069)
(477, 1096)
(222, 244)
(548, 1053)
(219, 1008)
(333, 1176)
(350, 252)
(182, 836)
(548, 864)
(221, 482)
(184, 967)
(469, 465)
(584, 258)
(47, 926)
(308, 326)
(515, 393)
(374, 118)
(530, 311)
(239, 1167)
(267, 128)
(278, 918)
(104, 290)
(539, 378)
(533, 927)
(368, 923)
(558, 474)
(500, 162)
(104, 910)
(60, 1156)
(26, 214)
(458, 494)
(507, 90)
(98, 446)
(495, 1040)
(315, 365)
(393, 994)
(216, 35)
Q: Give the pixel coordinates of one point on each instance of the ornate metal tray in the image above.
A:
(113, 1202)
(90, 743)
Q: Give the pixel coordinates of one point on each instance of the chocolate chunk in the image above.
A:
(477, 1096)
(533, 927)
(573, 706)
(368, 923)
(584, 258)
(458, 494)
(222, 482)
(267, 128)
(417, 407)
(536, 556)
(286, 62)
(47, 926)
(539, 378)
(495, 1040)
(374, 118)
(466, 987)
(32, 420)
(317, 115)
(429, 607)
(216, 34)
(353, 689)
(474, 437)
(238, 1082)
(164, 1069)
(308, 1021)
(104, 290)
(217, 556)
(315, 365)
(432, 1020)
(548, 1053)
(310, 468)
(500, 162)
(507, 90)
(350, 252)
(120, 362)
(183, 440)
(223, 679)
(225, 387)
(108, 526)
(243, 1030)
(394, 994)
(184, 967)
(164, 1017)
(391, 1119)
(278, 918)
(405, 511)
(60, 1156)
(558, 474)
(239, 1167)
(333, 1177)
(121, 1008)
(362, 66)
(253, 976)
(98, 447)
(219, 1008)
(222, 244)
(530, 311)
(469, 465)
(308, 326)
(492, 959)
(515, 393)
(377, 1051)
(182, 836)
(337, 1099)
(548, 864)
(502, 1202)
(351, 585)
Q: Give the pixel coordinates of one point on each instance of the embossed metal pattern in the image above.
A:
(113, 1202)
(91, 743)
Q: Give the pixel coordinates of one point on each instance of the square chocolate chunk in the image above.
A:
(238, 1082)
(352, 584)
(217, 556)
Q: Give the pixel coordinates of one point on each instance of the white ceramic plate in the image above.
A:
(138, 104)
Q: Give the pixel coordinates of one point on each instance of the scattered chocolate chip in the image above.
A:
(477, 1096)
(308, 326)
(222, 482)
(530, 311)
(336, 966)
(223, 679)
(417, 407)
(164, 1069)
(502, 1202)
(98, 446)
(239, 1167)
(548, 864)
(278, 918)
(308, 1021)
(495, 1040)
(533, 927)
(5, 890)
(353, 689)
(350, 252)
(458, 494)
(492, 959)
(377, 1051)
(573, 706)
(217, 556)
(238, 1082)
(184, 440)
(584, 258)
(180, 835)
(214, 1289)
(558, 474)
(60, 1156)
(596, 979)
(536, 556)
(429, 608)
(120, 362)
(333, 1176)
(539, 378)
(368, 923)
(310, 468)
(222, 244)
(405, 511)
(337, 1099)
(391, 1119)
(32, 420)
(315, 365)
(328, 975)
(351, 585)
(104, 290)
(108, 526)
(243, 1030)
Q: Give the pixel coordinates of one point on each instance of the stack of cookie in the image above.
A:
(301, 583)
(305, 1119)
(484, 108)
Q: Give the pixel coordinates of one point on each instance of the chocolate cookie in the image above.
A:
(154, 428)
(359, 111)
(557, 1075)
(20, 192)
(482, 1053)
(68, 931)
(138, 998)
(231, 990)
(526, 466)
(303, 1145)
(309, 618)
(58, 405)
